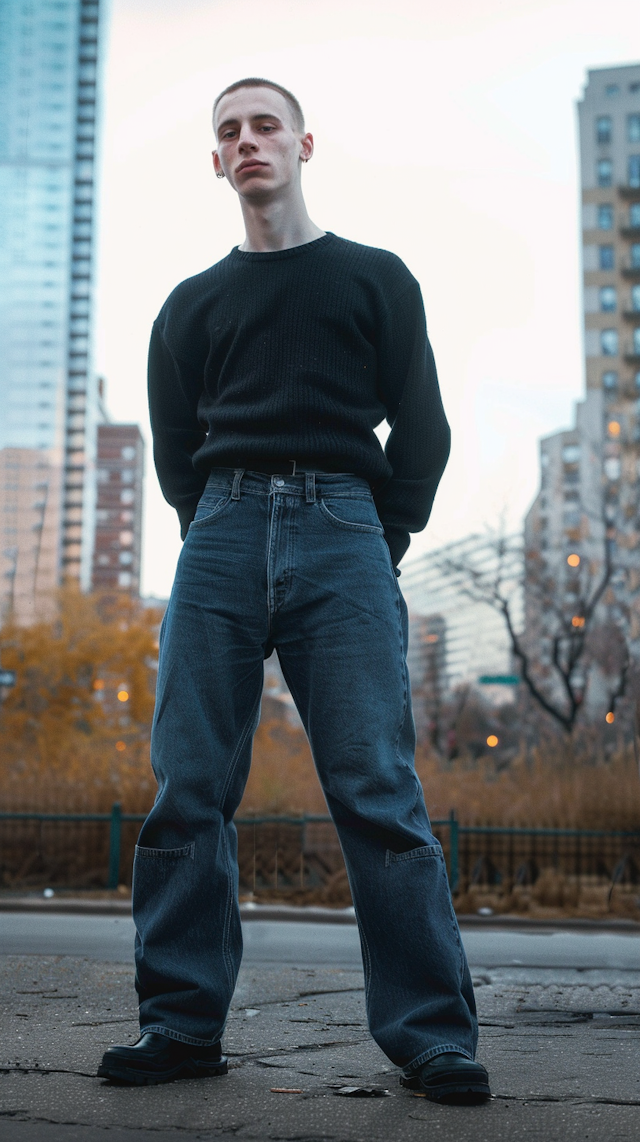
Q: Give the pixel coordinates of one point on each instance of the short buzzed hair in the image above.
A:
(296, 109)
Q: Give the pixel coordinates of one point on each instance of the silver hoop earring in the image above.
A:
(219, 174)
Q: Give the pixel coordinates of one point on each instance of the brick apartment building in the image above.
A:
(118, 537)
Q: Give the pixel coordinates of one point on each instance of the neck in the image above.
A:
(278, 224)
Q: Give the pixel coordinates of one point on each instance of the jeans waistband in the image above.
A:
(303, 483)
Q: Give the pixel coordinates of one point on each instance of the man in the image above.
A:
(268, 374)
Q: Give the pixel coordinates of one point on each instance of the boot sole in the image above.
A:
(457, 1093)
(460, 1094)
(124, 1075)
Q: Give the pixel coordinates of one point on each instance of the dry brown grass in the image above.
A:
(546, 790)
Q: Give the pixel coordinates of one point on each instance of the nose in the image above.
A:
(246, 140)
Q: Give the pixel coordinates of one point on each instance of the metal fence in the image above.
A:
(300, 857)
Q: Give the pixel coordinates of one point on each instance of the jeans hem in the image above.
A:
(158, 1029)
(410, 1070)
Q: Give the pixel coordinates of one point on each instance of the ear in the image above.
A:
(306, 147)
(217, 166)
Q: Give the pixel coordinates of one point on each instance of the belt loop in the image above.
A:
(237, 477)
(310, 487)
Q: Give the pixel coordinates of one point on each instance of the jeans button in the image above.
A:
(279, 483)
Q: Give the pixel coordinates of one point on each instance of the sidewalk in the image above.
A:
(561, 1046)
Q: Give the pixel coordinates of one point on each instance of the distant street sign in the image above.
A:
(498, 680)
(7, 677)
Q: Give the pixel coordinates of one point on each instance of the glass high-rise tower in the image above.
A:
(50, 55)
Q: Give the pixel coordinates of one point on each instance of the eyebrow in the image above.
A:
(254, 118)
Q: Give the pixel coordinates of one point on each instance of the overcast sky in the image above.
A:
(444, 132)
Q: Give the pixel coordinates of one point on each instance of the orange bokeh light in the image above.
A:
(492, 740)
(577, 621)
(573, 560)
(614, 428)
(98, 684)
(123, 696)
(610, 717)
(120, 746)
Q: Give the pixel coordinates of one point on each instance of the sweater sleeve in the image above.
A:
(174, 392)
(418, 445)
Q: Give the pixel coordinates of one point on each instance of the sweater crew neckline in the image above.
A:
(279, 255)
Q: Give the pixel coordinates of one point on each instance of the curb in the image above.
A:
(75, 906)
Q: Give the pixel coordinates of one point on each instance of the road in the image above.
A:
(110, 939)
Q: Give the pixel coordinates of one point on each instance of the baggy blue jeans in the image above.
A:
(300, 564)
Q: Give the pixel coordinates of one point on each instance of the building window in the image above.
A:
(606, 258)
(603, 129)
(124, 579)
(635, 256)
(125, 557)
(571, 453)
(634, 170)
(608, 299)
(128, 453)
(636, 342)
(611, 90)
(605, 216)
(609, 342)
(633, 128)
(612, 468)
(634, 214)
(610, 380)
(605, 172)
(635, 298)
(127, 497)
(638, 383)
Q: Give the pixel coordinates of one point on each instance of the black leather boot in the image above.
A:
(160, 1059)
(451, 1078)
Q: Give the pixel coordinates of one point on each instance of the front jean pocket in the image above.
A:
(210, 507)
(355, 513)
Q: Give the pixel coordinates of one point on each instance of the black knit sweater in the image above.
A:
(299, 354)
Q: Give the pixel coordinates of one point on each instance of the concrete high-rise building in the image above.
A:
(588, 502)
(472, 637)
(118, 542)
(50, 55)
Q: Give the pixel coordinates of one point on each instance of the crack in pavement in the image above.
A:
(240, 1057)
(199, 1131)
(104, 1022)
(572, 1100)
(44, 1071)
(298, 995)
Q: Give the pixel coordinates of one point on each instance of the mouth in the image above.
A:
(250, 165)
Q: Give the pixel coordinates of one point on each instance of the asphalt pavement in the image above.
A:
(559, 1028)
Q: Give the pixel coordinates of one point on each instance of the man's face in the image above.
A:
(259, 147)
